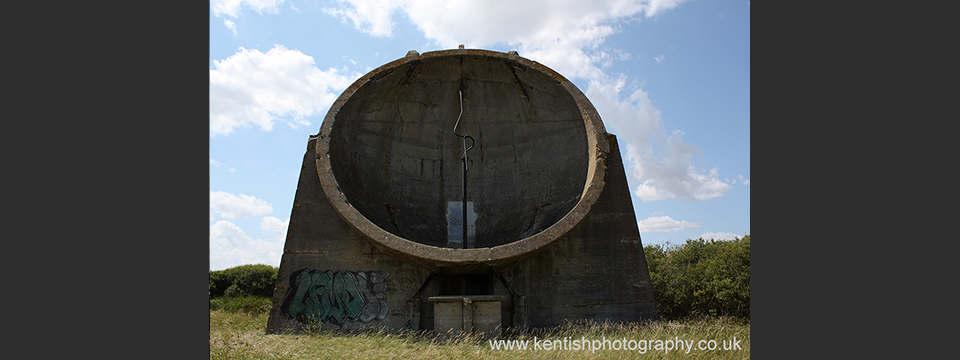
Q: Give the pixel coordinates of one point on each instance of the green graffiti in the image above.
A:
(334, 297)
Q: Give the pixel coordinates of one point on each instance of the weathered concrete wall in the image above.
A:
(319, 240)
(597, 271)
(555, 231)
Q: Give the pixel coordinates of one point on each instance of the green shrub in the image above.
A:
(246, 304)
(244, 280)
(701, 278)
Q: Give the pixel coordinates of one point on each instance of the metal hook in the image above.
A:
(463, 136)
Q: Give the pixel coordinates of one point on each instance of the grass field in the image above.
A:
(238, 332)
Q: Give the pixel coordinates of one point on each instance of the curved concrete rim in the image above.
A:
(597, 144)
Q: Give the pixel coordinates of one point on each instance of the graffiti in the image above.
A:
(336, 296)
(372, 286)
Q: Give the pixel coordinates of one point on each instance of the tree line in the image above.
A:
(701, 278)
(244, 280)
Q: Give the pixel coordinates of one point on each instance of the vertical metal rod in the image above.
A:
(464, 195)
(465, 167)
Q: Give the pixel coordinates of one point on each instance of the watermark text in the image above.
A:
(641, 346)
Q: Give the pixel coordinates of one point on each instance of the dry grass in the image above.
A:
(238, 335)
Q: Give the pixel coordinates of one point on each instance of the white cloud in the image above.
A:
(657, 6)
(227, 234)
(274, 227)
(232, 206)
(230, 25)
(219, 164)
(230, 246)
(255, 88)
(483, 22)
(605, 59)
(719, 236)
(662, 166)
(664, 224)
(660, 59)
(232, 8)
(370, 16)
(535, 25)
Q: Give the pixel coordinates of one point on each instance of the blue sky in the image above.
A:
(670, 78)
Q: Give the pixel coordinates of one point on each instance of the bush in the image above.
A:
(701, 278)
(244, 280)
(248, 304)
